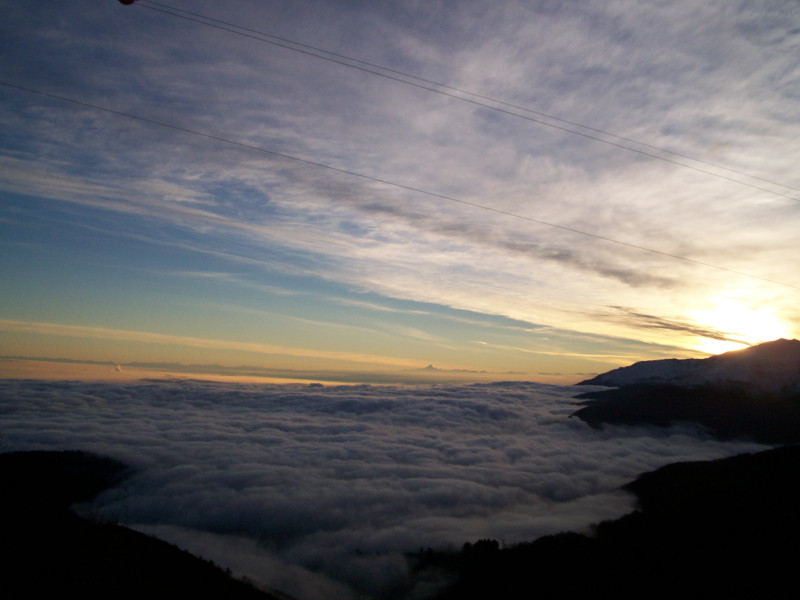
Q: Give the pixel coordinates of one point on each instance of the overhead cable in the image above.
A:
(472, 98)
(387, 182)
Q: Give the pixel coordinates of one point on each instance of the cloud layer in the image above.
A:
(341, 480)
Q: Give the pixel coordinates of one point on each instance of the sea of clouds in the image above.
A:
(318, 491)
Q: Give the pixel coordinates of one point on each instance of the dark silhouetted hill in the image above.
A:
(703, 529)
(51, 552)
(771, 366)
(751, 394)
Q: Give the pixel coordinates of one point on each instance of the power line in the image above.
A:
(387, 182)
(474, 98)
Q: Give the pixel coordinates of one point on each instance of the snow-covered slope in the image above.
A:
(769, 366)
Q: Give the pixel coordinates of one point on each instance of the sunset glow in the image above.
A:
(741, 324)
(385, 299)
(524, 190)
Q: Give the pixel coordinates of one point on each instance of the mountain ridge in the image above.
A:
(770, 366)
(751, 394)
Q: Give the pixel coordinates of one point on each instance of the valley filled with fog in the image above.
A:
(318, 491)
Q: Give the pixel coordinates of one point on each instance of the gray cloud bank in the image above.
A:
(318, 491)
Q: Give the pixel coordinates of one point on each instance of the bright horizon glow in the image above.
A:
(746, 326)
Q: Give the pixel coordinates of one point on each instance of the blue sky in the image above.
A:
(123, 241)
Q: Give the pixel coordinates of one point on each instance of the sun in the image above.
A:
(741, 325)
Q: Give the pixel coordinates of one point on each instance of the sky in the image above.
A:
(318, 491)
(394, 191)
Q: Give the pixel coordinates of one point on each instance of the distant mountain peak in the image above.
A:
(779, 350)
(770, 366)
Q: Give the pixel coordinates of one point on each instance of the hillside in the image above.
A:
(749, 394)
(715, 527)
(50, 551)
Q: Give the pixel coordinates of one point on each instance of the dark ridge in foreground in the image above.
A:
(51, 552)
(709, 529)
